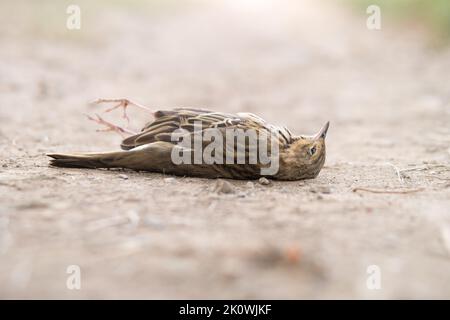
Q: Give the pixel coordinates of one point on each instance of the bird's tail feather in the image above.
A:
(89, 160)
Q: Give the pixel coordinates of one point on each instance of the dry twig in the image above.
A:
(387, 191)
(398, 171)
(436, 177)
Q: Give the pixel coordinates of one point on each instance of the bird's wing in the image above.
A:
(166, 122)
(193, 120)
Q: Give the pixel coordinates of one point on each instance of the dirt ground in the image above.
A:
(295, 63)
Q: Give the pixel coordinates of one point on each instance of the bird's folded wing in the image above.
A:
(193, 120)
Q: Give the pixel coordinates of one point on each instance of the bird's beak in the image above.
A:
(322, 132)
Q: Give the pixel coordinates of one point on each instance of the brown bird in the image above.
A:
(157, 147)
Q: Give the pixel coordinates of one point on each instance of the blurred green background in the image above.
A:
(432, 13)
(42, 17)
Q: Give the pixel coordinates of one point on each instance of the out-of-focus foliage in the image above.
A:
(47, 18)
(435, 13)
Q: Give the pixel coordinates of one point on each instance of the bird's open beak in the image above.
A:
(322, 132)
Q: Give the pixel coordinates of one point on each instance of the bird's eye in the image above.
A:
(312, 151)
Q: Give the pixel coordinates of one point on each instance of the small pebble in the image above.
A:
(324, 190)
(223, 186)
(250, 185)
(123, 176)
(264, 181)
(169, 180)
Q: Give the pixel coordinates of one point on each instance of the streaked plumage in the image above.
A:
(300, 157)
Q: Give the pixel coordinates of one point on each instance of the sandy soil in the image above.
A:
(142, 235)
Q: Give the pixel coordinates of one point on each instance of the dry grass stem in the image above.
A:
(387, 191)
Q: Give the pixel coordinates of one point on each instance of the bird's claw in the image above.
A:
(122, 103)
(109, 126)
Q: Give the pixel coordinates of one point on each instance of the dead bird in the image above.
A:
(153, 149)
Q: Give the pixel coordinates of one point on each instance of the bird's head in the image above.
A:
(305, 156)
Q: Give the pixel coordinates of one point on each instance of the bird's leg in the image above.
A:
(122, 103)
(110, 126)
